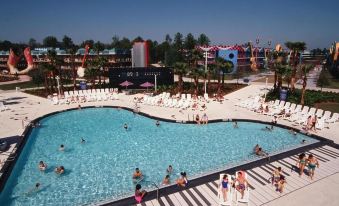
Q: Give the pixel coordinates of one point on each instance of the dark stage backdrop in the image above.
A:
(140, 75)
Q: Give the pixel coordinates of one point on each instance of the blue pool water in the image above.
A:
(102, 168)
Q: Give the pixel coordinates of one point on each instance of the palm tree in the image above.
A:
(180, 69)
(295, 48)
(72, 52)
(222, 67)
(195, 56)
(90, 74)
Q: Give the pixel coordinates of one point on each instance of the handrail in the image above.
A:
(155, 184)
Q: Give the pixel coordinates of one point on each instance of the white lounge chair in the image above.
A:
(312, 111)
(319, 113)
(334, 118)
(246, 197)
(229, 192)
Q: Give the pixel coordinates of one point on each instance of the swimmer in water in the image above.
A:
(126, 126)
(62, 148)
(82, 140)
(42, 166)
(169, 170)
(157, 123)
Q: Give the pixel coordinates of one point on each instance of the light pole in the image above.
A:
(101, 69)
(205, 71)
(155, 83)
(58, 84)
(256, 54)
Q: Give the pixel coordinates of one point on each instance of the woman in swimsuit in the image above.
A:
(276, 175)
(139, 195)
(281, 183)
(312, 164)
(301, 163)
(197, 119)
(182, 181)
(242, 182)
(224, 187)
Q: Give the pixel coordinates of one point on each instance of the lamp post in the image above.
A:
(269, 53)
(256, 54)
(101, 69)
(155, 83)
(58, 84)
(205, 71)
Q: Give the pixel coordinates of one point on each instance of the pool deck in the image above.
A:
(23, 105)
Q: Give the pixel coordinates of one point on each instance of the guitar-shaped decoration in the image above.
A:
(13, 61)
(253, 60)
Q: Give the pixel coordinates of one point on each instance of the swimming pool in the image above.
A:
(102, 167)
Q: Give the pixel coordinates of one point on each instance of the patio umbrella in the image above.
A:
(126, 84)
(147, 84)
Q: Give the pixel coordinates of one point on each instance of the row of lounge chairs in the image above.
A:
(81, 96)
(290, 111)
(181, 101)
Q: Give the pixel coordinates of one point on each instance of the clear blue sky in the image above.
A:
(226, 22)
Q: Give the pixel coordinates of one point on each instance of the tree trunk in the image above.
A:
(275, 80)
(302, 101)
(74, 73)
(219, 81)
(46, 85)
(196, 84)
(279, 82)
(180, 83)
(293, 77)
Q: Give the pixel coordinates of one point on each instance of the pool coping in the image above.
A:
(127, 200)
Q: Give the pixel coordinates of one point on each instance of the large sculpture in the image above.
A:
(14, 59)
(81, 70)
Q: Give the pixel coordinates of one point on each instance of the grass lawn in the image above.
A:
(332, 82)
(333, 107)
(22, 85)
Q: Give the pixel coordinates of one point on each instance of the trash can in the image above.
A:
(83, 85)
(283, 95)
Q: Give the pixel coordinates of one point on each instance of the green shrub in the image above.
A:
(311, 97)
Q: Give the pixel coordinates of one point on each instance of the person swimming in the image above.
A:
(267, 128)
(126, 126)
(62, 148)
(157, 123)
(169, 170)
(137, 174)
(59, 170)
(182, 181)
(42, 166)
(82, 140)
(166, 180)
(235, 124)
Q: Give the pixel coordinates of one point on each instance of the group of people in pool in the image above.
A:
(309, 162)
(137, 177)
(157, 123)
